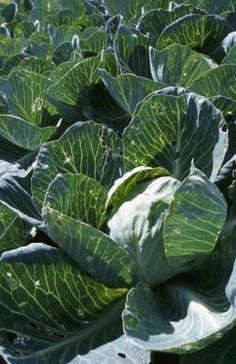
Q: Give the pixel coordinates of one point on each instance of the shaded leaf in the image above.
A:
(50, 310)
(86, 148)
(128, 90)
(212, 85)
(72, 93)
(201, 32)
(24, 134)
(25, 95)
(154, 22)
(178, 65)
(131, 50)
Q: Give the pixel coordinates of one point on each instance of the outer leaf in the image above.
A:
(131, 9)
(120, 89)
(37, 65)
(218, 7)
(131, 50)
(72, 93)
(62, 18)
(11, 46)
(193, 222)
(14, 236)
(223, 351)
(10, 153)
(25, 95)
(62, 34)
(40, 11)
(154, 22)
(68, 221)
(230, 58)
(86, 148)
(204, 32)
(86, 200)
(213, 85)
(177, 65)
(15, 191)
(95, 43)
(50, 310)
(183, 129)
(12, 230)
(63, 53)
(7, 218)
(61, 70)
(10, 63)
(117, 351)
(24, 134)
(93, 250)
(178, 318)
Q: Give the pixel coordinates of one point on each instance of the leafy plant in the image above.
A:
(117, 182)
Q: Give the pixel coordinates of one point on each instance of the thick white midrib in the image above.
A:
(101, 323)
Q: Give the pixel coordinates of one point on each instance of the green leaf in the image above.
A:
(154, 22)
(7, 218)
(212, 85)
(131, 9)
(10, 63)
(11, 46)
(9, 12)
(230, 57)
(193, 222)
(62, 34)
(40, 11)
(183, 129)
(93, 250)
(23, 133)
(63, 53)
(86, 200)
(61, 70)
(201, 32)
(62, 18)
(179, 318)
(72, 93)
(37, 65)
(37, 48)
(95, 42)
(15, 188)
(25, 95)
(217, 7)
(128, 89)
(131, 50)
(178, 65)
(86, 148)
(13, 232)
(10, 153)
(50, 310)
